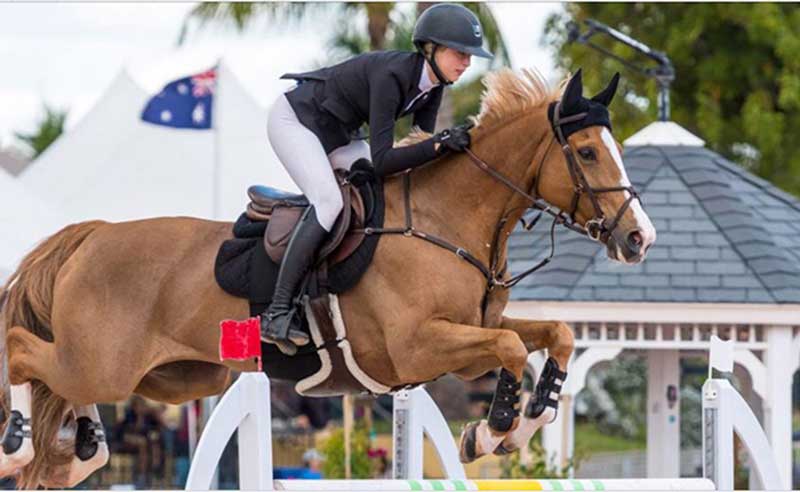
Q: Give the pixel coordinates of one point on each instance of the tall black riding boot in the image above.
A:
(279, 323)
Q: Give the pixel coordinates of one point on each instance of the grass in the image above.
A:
(589, 440)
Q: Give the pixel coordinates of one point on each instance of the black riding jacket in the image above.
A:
(373, 88)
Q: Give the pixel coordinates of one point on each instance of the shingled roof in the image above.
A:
(724, 235)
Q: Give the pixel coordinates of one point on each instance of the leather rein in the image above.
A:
(598, 228)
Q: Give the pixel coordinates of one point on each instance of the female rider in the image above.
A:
(312, 127)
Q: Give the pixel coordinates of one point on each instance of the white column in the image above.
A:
(663, 416)
(557, 436)
(781, 363)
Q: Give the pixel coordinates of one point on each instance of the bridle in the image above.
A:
(598, 228)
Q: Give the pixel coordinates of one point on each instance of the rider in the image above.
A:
(313, 128)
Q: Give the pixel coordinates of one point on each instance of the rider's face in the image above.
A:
(452, 63)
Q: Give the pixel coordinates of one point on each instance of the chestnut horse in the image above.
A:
(100, 311)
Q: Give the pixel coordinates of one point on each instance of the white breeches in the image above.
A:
(304, 158)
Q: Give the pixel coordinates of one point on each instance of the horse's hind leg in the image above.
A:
(17, 441)
(31, 358)
(91, 448)
(462, 346)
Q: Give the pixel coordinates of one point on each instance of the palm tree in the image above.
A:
(379, 19)
(48, 130)
(243, 15)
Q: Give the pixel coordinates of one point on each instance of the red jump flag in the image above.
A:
(240, 340)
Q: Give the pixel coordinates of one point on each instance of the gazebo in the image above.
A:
(726, 262)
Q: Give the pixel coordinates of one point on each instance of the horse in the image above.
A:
(100, 311)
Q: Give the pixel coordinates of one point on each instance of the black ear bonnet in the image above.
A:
(573, 102)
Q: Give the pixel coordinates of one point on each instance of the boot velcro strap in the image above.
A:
(505, 404)
(98, 433)
(24, 427)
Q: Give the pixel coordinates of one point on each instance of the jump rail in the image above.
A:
(246, 406)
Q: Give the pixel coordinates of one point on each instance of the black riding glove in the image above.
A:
(455, 139)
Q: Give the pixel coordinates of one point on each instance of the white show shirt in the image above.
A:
(425, 84)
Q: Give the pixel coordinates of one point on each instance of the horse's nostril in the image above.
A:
(635, 239)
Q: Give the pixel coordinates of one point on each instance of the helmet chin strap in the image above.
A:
(435, 67)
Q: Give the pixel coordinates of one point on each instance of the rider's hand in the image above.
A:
(455, 139)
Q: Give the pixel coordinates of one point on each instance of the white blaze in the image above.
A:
(642, 220)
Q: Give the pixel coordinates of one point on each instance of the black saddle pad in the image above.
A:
(243, 269)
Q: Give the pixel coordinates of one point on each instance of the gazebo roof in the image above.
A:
(724, 235)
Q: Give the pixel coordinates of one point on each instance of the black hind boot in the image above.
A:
(279, 323)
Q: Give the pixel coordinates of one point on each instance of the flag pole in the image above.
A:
(210, 403)
(217, 171)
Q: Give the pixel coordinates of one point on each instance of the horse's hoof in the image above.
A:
(80, 469)
(502, 450)
(468, 452)
(11, 463)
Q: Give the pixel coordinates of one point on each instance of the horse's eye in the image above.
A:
(587, 154)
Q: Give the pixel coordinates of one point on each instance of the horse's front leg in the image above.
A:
(558, 339)
(439, 347)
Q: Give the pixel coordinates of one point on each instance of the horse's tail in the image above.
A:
(28, 296)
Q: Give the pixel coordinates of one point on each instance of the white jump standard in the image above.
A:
(246, 405)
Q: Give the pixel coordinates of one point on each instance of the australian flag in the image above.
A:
(184, 103)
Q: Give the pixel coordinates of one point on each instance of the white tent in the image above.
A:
(24, 221)
(115, 167)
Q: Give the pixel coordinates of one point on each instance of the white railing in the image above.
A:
(666, 336)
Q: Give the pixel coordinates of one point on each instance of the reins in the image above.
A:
(597, 228)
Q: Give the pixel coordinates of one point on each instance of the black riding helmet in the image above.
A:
(451, 25)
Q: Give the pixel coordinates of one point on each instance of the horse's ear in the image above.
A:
(607, 94)
(573, 92)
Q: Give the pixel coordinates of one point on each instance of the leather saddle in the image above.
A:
(282, 211)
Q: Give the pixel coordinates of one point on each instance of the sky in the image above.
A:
(66, 54)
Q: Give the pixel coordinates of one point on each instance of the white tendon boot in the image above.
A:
(17, 441)
(91, 449)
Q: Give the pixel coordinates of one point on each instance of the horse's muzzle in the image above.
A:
(627, 247)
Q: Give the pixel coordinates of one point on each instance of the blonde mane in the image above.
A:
(507, 94)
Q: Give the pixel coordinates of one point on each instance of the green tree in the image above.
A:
(48, 129)
(737, 74)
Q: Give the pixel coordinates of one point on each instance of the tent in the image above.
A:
(24, 220)
(115, 167)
